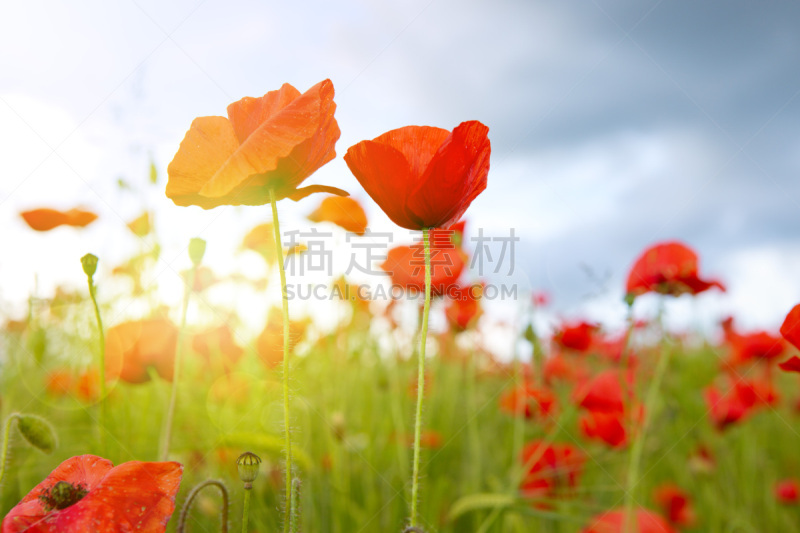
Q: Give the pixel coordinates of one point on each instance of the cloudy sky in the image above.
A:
(613, 124)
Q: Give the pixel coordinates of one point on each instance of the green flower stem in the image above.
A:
(4, 457)
(93, 296)
(193, 494)
(286, 420)
(421, 378)
(246, 510)
(173, 397)
(638, 443)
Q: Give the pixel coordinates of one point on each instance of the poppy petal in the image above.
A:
(249, 113)
(208, 144)
(456, 175)
(383, 172)
(791, 365)
(43, 219)
(273, 140)
(301, 193)
(790, 329)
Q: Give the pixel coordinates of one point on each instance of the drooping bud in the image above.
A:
(37, 432)
(197, 248)
(89, 263)
(248, 468)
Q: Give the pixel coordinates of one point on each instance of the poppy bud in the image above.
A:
(37, 432)
(197, 248)
(248, 468)
(89, 262)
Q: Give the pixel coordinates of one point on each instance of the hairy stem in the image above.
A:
(286, 419)
(193, 494)
(93, 296)
(421, 378)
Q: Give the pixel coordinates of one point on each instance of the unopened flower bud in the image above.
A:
(37, 432)
(197, 248)
(248, 468)
(89, 263)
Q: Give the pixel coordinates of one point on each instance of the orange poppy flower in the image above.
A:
(345, 212)
(668, 268)
(88, 493)
(47, 219)
(142, 225)
(423, 177)
(261, 239)
(614, 522)
(217, 344)
(464, 308)
(273, 142)
(528, 401)
(133, 347)
(269, 344)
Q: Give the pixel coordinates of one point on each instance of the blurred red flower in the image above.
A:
(464, 306)
(528, 401)
(269, 344)
(790, 365)
(607, 427)
(614, 522)
(675, 504)
(46, 219)
(406, 264)
(668, 268)
(345, 212)
(273, 142)
(550, 468)
(604, 392)
(787, 491)
(729, 408)
(88, 493)
(133, 347)
(423, 177)
(576, 336)
(749, 347)
(790, 329)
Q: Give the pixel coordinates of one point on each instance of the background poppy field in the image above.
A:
(645, 152)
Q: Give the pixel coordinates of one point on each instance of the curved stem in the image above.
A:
(4, 456)
(173, 397)
(638, 444)
(93, 296)
(246, 510)
(421, 377)
(193, 494)
(286, 420)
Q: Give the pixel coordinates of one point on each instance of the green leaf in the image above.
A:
(481, 500)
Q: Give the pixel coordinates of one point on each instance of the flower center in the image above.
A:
(62, 495)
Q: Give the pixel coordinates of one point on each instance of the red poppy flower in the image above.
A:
(756, 346)
(464, 306)
(345, 212)
(668, 268)
(790, 329)
(133, 347)
(273, 142)
(790, 365)
(528, 401)
(729, 408)
(47, 219)
(576, 336)
(88, 493)
(550, 468)
(675, 503)
(614, 522)
(423, 177)
(603, 393)
(606, 427)
(787, 491)
(406, 266)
